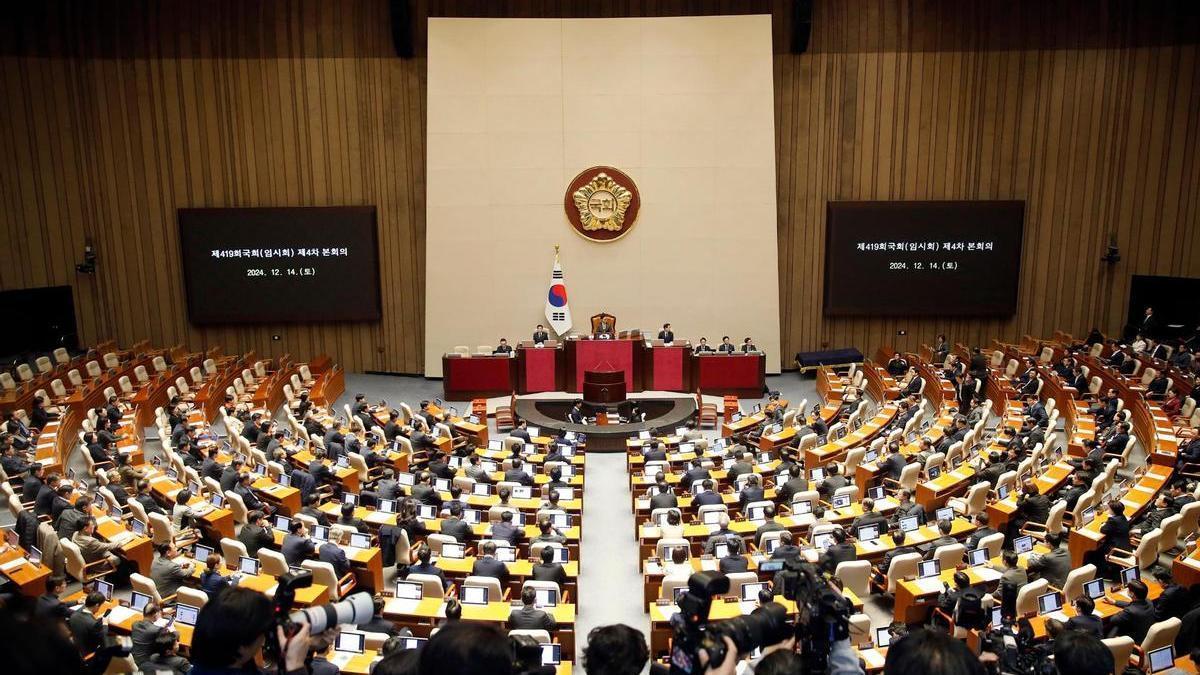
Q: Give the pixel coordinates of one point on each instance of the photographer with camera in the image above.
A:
(239, 624)
(820, 635)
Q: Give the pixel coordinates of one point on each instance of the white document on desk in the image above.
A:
(929, 584)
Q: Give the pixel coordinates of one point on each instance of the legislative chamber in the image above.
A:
(683, 337)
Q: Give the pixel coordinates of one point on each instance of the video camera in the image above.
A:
(356, 609)
(822, 618)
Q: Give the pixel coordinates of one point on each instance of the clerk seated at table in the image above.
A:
(702, 347)
(666, 334)
(540, 335)
(575, 416)
(503, 347)
(748, 347)
(726, 346)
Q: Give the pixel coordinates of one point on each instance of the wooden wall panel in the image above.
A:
(113, 115)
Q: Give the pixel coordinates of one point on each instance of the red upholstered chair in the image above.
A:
(612, 322)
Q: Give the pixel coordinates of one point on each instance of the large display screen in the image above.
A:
(952, 258)
(262, 265)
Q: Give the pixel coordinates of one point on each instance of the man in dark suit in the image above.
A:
(1136, 617)
(666, 334)
(869, 517)
(1084, 619)
(575, 416)
(146, 499)
(548, 570)
(33, 483)
(540, 335)
(48, 605)
(1053, 566)
(521, 431)
(982, 529)
(1032, 506)
(897, 366)
(833, 481)
(506, 531)
(229, 474)
(256, 533)
(709, 496)
(518, 475)
(752, 492)
(331, 551)
(62, 502)
(655, 452)
(841, 551)
(297, 547)
(1174, 601)
(663, 497)
(726, 347)
(604, 328)
(703, 347)
(898, 536)
(423, 566)
(423, 492)
(1180, 493)
(251, 500)
(786, 550)
(503, 348)
(894, 465)
(1116, 535)
(455, 526)
(210, 467)
(744, 465)
(769, 526)
(907, 507)
(487, 565)
(529, 617)
(797, 483)
(144, 632)
(695, 472)
(1116, 442)
(748, 346)
(89, 630)
(312, 509)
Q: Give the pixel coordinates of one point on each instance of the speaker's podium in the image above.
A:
(604, 387)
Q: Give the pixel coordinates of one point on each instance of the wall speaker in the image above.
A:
(801, 25)
(402, 29)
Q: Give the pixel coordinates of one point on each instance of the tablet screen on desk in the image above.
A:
(1129, 574)
(1088, 515)
(875, 493)
(545, 597)
(929, 568)
(977, 556)
(883, 637)
(454, 551)
(348, 641)
(186, 614)
(360, 540)
(506, 554)
(412, 642)
(138, 601)
(282, 523)
(387, 505)
(200, 552)
(248, 566)
(104, 588)
(138, 527)
(320, 533)
(750, 591)
(946, 513)
(1050, 602)
(1094, 588)
(801, 507)
(474, 595)
(551, 654)
(409, 590)
(1162, 659)
(841, 501)
(868, 533)
(909, 523)
(1023, 544)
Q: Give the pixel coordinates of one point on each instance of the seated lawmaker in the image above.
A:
(540, 335)
(726, 346)
(604, 329)
(748, 346)
(703, 347)
(503, 348)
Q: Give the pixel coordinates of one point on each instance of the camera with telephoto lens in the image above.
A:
(356, 609)
(766, 625)
(822, 618)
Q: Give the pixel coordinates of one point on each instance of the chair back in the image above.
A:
(1170, 533)
(950, 555)
(323, 573)
(1028, 595)
(232, 550)
(274, 564)
(664, 545)
(144, 584)
(74, 558)
(1073, 586)
(1147, 548)
(431, 586)
(1161, 634)
(902, 566)
(855, 575)
(1121, 648)
(739, 579)
(191, 596)
(495, 592)
(161, 529)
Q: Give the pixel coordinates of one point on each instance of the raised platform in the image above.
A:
(664, 411)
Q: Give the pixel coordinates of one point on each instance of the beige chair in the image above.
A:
(544, 586)
(993, 543)
(374, 641)
(323, 573)
(61, 356)
(495, 592)
(973, 502)
(93, 369)
(1073, 586)
(739, 579)
(541, 635)
(462, 350)
(233, 551)
(25, 373)
(234, 502)
(141, 375)
(663, 545)
(861, 635)
(903, 566)
(909, 478)
(144, 584)
(1121, 648)
(8, 383)
(191, 596)
(43, 365)
(435, 541)
(82, 571)
(431, 586)
(1169, 541)
(856, 576)
(1054, 523)
(273, 563)
(950, 555)
(1161, 634)
(669, 584)
(1028, 595)
(1143, 557)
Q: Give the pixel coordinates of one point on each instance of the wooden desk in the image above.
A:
(420, 615)
(29, 578)
(1086, 539)
(916, 598)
